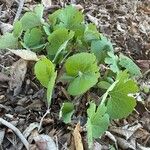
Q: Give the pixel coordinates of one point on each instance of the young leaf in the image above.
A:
(127, 63)
(58, 41)
(91, 33)
(103, 85)
(44, 70)
(32, 19)
(39, 11)
(120, 104)
(98, 122)
(85, 72)
(8, 41)
(17, 29)
(50, 87)
(100, 48)
(112, 60)
(70, 18)
(66, 112)
(32, 38)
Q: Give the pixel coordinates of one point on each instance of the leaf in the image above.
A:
(98, 122)
(44, 70)
(43, 142)
(120, 104)
(32, 37)
(25, 54)
(91, 33)
(127, 63)
(81, 84)
(8, 41)
(103, 84)
(66, 112)
(17, 29)
(51, 87)
(77, 138)
(85, 73)
(39, 11)
(69, 18)
(32, 19)
(100, 48)
(17, 73)
(58, 41)
(112, 60)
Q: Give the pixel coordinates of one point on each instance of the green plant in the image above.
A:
(67, 39)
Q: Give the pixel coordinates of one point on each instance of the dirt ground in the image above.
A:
(127, 24)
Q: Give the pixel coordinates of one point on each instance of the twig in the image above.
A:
(47, 112)
(18, 133)
(20, 7)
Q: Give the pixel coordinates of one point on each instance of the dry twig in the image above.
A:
(20, 7)
(18, 133)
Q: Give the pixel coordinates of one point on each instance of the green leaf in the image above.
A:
(39, 11)
(70, 17)
(91, 33)
(50, 88)
(85, 73)
(44, 70)
(66, 112)
(98, 122)
(103, 85)
(120, 104)
(112, 61)
(81, 84)
(8, 41)
(100, 48)
(53, 18)
(17, 29)
(58, 41)
(32, 38)
(32, 19)
(127, 63)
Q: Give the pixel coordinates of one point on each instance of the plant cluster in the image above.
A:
(67, 40)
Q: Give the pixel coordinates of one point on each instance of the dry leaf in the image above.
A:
(25, 54)
(3, 77)
(17, 74)
(77, 138)
(44, 142)
(47, 3)
(5, 27)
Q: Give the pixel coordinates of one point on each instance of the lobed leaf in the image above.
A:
(120, 104)
(85, 72)
(98, 122)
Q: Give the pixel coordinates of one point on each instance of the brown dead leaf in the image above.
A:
(77, 138)
(17, 73)
(3, 77)
(44, 142)
(5, 27)
(46, 3)
(25, 54)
